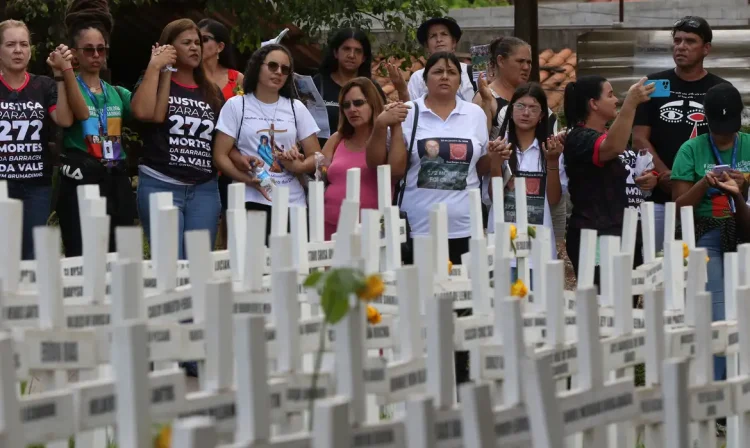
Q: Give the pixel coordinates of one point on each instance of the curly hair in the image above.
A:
(252, 72)
(87, 14)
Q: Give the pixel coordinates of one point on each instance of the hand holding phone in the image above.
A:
(662, 88)
(718, 169)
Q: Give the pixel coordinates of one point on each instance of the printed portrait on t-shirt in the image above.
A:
(632, 190)
(264, 150)
(536, 190)
(268, 146)
(444, 163)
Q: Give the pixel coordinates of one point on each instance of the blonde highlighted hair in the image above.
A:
(10, 23)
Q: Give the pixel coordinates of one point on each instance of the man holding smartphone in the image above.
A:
(663, 124)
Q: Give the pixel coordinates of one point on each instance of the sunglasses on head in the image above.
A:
(356, 103)
(691, 23)
(91, 51)
(274, 67)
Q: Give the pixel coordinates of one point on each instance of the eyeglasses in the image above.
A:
(356, 103)
(207, 38)
(274, 67)
(91, 51)
(533, 108)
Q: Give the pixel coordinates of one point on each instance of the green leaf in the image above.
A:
(313, 279)
(338, 305)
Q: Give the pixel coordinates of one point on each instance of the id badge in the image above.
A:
(108, 151)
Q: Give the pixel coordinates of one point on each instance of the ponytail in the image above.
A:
(577, 97)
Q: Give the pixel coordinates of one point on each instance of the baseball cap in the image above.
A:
(696, 25)
(449, 22)
(723, 107)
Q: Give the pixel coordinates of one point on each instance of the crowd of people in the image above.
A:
(207, 125)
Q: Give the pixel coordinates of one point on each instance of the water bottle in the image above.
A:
(266, 182)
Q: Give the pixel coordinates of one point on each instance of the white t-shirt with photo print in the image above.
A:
(263, 127)
(443, 165)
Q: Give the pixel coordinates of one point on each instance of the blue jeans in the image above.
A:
(659, 210)
(198, 207)
(711, 241)
(36, 208)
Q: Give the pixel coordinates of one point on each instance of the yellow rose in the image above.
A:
(372, 289)
(518, 289)
(164, 439)
(373, 315)
(450, 267)
(513, 232)
(685, 250)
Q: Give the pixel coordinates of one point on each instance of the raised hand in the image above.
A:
(552, 149)
(639, 92)
(162, 56)
(395, 75)
(60, 59)
(394, 113)
(484, 89)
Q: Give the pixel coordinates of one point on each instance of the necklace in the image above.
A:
(263, 112)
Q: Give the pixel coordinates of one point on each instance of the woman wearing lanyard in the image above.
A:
(182, 107)
(28, 106)
(93, 149)
(699, 163)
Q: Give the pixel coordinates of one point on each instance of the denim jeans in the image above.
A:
(659, 224)
(198, 207)
(711, 241)
(36, 208)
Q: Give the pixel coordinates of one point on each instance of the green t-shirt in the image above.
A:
(695, 158)
(87, 135)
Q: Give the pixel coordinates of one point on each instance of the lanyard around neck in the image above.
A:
(100, 111)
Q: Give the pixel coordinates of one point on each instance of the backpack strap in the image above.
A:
(408, 155)
(242, 120)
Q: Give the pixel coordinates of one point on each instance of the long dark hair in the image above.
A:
(252, 72)
(330, 64)
(504, 46)
(542, 133)
(221, 35)
(371, 95)
(206, 87)
(577, 97)
(87, 14)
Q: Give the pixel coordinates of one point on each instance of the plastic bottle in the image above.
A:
(266, 181)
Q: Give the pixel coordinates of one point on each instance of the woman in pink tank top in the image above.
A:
(359, 104)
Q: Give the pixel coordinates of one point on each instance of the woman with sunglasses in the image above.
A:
(360, 105)
(29, 104)
(270, 127)
(93, 147)
(533, 153)
(182, 107)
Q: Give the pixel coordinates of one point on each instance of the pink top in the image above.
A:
(335, 193)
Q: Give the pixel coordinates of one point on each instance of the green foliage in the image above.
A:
(454, 4)
(260, 19)
(335, 288)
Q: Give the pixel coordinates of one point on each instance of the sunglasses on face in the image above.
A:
(91, 51)
(356, 103)
(274, 67)
(207, 38)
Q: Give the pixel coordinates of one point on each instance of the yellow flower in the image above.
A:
(372, 289)
(450, 266)
(518, 289)
(685, 250)
(238, 90)
(164, 439)
(707, 258)
(373, 315)
(513, 232)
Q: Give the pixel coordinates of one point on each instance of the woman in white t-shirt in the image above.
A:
(535, 155)
(441, 158)
(267, 125)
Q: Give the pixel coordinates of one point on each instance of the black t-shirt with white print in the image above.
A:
(675, 119)
(25, 125)
(181, 147)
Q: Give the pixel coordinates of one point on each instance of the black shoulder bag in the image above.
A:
(407, 248)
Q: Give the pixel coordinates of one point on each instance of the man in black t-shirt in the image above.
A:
(662, 125)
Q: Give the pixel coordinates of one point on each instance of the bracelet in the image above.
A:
(553, 169)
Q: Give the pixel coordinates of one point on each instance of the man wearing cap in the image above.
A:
(662, 125)
(440, 34)
(722, 153)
